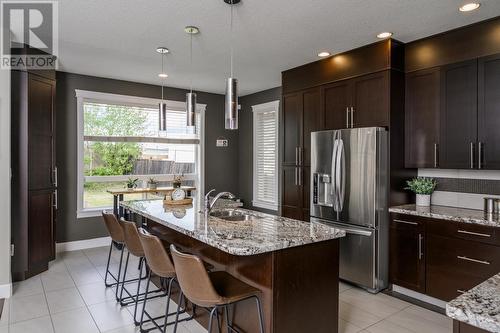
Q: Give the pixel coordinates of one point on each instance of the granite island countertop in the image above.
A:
(263, 233)
(479, 306)
(456, 214)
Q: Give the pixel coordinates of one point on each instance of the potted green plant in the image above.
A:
(152, 183)
(132, 183)
(177, 181)
(423, 188)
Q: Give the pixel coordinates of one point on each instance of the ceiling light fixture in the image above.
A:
(385, 34)
(231, 104)
(191, 96)
(162, 108)
(323, 54)
(469, 7)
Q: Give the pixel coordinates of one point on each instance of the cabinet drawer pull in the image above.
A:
(347, 117)
(473, 260)
(436, 163)
(460, 291)
(420, 254)
(405, 222)
(473, 233)
(472, 155)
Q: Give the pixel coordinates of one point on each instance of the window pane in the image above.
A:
(119, 120)
(131, 158)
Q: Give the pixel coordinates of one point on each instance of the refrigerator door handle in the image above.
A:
(341, 173)
(333, 187)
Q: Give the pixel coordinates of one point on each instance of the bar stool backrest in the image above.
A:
(132, 240)
(194, 280)
(156, 256)
(114, 228)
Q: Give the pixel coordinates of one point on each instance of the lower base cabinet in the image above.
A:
(459, 327)
(441, 258)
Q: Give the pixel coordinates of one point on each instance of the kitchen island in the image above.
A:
(293, 263)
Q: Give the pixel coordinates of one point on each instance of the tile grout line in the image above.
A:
(47, 302)
(79, 293)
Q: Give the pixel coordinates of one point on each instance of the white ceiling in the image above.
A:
(117, 38)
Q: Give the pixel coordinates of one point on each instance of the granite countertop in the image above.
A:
(479, 306)
(473, 216)
(262, 233)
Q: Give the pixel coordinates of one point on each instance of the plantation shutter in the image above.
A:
(265, 156)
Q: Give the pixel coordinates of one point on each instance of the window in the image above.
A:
(118, 139)
(265, 155)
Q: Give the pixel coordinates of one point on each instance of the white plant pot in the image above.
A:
(423, 200)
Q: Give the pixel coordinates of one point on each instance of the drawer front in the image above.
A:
(457, 265)
(467, 231)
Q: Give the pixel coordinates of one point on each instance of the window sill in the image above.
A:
(265, 205)
(93, 212)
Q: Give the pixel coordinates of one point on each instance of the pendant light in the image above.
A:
(191, 96)
(162, 108)
(231, 104)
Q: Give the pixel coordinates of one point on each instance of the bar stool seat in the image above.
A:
(230, 288)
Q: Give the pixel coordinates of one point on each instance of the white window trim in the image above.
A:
(259, 108)
(83, 96)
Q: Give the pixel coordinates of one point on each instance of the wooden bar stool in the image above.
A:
(214, 290)
(159, 263)
(134, 247)
(115, 231)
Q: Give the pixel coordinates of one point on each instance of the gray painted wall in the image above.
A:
(245, 153)
(221, 170)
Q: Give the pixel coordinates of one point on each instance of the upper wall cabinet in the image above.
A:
(359, 102)
(459, 115)
(489, 113)
(422, 118)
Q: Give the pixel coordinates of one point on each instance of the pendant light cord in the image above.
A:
(163, 72)
(191, 63)
(231, 37)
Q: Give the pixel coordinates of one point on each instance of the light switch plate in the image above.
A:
(222, 143)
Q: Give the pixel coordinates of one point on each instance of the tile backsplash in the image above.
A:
(463, 188)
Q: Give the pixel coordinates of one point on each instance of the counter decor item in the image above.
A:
(152, 183)
(132, 183)
(178, 181)
(423, 188)
(178, 198)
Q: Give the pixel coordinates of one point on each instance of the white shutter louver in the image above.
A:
(265, 178)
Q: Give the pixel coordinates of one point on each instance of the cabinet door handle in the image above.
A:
(460, 291)
(473, 233)
(420, 254)
(300, 176)
(296, 155)
(480, 155)
(473, 260)
(296, 177)
(301, 156)
(436, 163)
(472, 155)
(405, 222)
(55, 204)
(347, 117)
(352, 116)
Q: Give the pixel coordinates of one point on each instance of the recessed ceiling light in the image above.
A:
(163, 75)
(323, 54)
(469, 7)
(385, 34)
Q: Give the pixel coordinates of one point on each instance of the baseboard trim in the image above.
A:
(82, 244)
(5, 290)
(419, 296)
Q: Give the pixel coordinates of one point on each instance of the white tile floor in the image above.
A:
(71, 298)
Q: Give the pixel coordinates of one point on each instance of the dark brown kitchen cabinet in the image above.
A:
(489, 113)
(458, 148)
(422, 102)
(337, 103)
(370, 100)
(407, 252)
(359, 102)
(302, 114)
(292, 123)
(34, 173)
(460, 327)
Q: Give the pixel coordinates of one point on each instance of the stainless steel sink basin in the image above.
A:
(232, 215)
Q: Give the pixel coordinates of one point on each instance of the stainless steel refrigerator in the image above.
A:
(349, 189)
